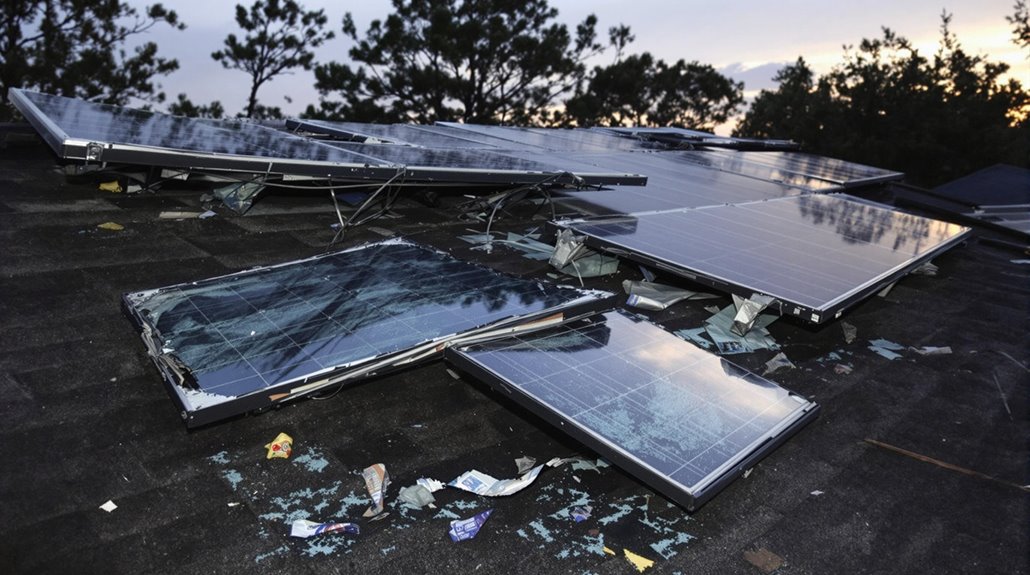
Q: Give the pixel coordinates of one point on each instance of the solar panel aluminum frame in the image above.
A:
(174, 376)
(690, 500)
(68, 148)
(832, 310)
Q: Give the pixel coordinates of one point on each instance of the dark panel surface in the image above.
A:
(679, 417)
(672, 182)
(812, 251)
(90, 122)
(553, 139)
(255, 330)
(395, 133)
(813, 172)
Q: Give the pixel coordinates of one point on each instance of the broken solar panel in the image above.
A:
(86, 131)
(682, 420)
(817, 173)
(816, 255)
(241, 342)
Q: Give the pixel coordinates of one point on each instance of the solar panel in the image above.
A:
(404, 134)
(682, 420)
(80, 130)
(796, 168)
(672, 182)
(244, 341)
(682, 137)
(815, 254)
(555, 139)
(460, 164)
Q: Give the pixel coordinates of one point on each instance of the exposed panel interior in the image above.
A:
(259, 332)
(683, 420)
(816, 254)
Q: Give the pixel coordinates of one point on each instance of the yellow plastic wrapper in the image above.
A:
(113, 186)
(281, 446)
(111, 226)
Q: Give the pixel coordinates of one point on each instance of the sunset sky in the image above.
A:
(747, 40)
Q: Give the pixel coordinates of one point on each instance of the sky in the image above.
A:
(748, 40)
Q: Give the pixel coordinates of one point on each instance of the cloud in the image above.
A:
(755, 77)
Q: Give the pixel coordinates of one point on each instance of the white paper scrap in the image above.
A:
(482, 484)
(109, 506)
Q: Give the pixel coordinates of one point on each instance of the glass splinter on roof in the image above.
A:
(236, 343)
(681, 419)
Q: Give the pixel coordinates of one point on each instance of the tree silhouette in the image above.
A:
(1020, 20)
(76, 48)
(887, 105)
(184, 107)
(280, 36)
(483, 61)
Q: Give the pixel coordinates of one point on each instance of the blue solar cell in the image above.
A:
(679, 418)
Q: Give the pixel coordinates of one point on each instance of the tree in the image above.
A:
(184, 107)
(798, 110)
(76, 48)
(1020, 20)
(888, 105)
(640, 90)
(280, 36)
(482, 61)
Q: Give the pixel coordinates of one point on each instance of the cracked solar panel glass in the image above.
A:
(681, 419)
(251, 332)
(83, 121)
(396, 133)
(816, 254)
(814, 172)
(672, 182)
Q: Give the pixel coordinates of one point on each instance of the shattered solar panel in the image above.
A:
(682, 420)
(245, 341)
(815, 254)
(817, 173)
(90, 132)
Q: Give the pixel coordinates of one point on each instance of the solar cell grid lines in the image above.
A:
(683, 420)
(816, 254)
(261, 330)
